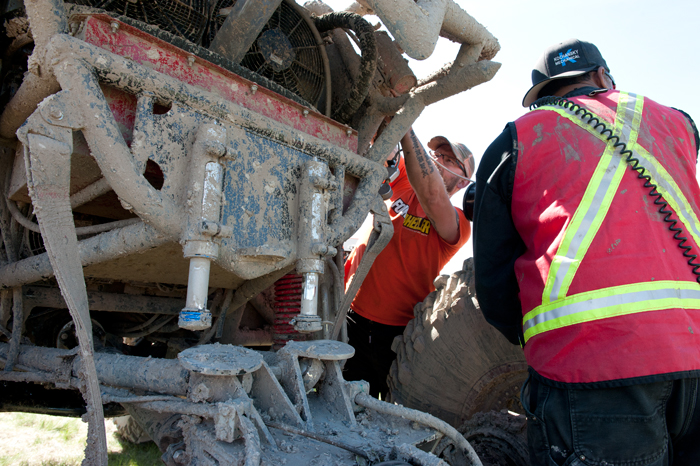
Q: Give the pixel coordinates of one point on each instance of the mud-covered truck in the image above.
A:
(178, 178)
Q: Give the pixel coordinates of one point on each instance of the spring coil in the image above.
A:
(287, 306)
(634, 163)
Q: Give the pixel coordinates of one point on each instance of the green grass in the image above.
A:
(39, 440)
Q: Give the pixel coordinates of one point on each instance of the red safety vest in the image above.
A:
(605, 290)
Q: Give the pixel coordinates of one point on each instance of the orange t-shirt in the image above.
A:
(403, 273)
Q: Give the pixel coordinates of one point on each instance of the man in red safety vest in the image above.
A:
(586, 227)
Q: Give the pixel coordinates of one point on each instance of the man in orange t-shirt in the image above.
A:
(428, 231)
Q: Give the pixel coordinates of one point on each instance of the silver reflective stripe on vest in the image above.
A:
(612, 305)
(605, 184)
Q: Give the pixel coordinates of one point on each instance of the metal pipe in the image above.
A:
(242, 27)
(191, 316)
(106, 302)
(107, 398)
(165, 376)
(111, 152)
(379, 238)
(460, 26)
(101, 248)
(309, 296)
(370, 402)
(149, 329)
(47, 18)
(88, 193)
(80, 231)
(416, 25)
(33, 90)
(320, 438)
(459, 79)
(17, 327)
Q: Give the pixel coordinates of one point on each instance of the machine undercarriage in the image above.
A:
(178, 181)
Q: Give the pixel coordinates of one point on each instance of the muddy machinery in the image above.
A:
(178, 180)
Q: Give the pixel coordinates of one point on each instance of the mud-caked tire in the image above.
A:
(498, 438)
(129, 430)
(450, 362)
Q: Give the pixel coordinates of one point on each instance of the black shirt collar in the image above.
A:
(586, 90)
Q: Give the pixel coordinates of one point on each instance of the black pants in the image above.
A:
(653, 424)
(373, 355)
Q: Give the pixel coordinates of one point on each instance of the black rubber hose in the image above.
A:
(368, 64)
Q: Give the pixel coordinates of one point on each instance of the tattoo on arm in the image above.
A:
(425, 165)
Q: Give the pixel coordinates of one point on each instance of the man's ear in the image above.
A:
(599, 77)
(463, 183)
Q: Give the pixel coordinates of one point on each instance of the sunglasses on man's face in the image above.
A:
(450, 159)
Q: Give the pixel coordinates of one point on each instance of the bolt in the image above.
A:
(348, 131)
(190, 60)
(64, 336)
(582, 458)
(215, 149)
(115, 26)
(254, 88)
(56, 113)
(305, 112)
(179, 456)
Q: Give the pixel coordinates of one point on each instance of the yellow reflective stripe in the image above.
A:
(670, 191)
(611, 302)
(627, 121)
(596, 200)
(570, 116)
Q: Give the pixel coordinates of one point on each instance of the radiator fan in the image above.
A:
(285, 52)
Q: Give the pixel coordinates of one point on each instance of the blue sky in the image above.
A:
(651, 48)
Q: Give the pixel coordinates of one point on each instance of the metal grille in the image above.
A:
(194, 20)
(300, 68)
(285, 52)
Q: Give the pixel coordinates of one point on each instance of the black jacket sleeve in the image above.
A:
(695, 132)
(497, 243)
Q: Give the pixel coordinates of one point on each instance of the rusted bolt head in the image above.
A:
(254, 88)
(115, 26)
(348, 131)
(305, 112)
(190, 60)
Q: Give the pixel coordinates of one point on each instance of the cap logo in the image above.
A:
(569, 56)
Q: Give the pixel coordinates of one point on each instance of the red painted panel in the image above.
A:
(123, 108)
(165, 58)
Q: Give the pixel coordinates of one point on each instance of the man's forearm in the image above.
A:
(421, 171)
(430, 190)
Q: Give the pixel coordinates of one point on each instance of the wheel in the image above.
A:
(129, 430)
(499, 439)
(450, 362)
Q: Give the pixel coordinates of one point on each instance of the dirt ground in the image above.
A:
(39, 440)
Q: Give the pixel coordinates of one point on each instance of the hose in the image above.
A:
(368, 63)
(80, 231)
(370, 402)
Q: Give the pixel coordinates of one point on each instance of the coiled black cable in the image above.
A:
(634, 163)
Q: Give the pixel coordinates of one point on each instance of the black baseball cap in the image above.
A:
(567, 59)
